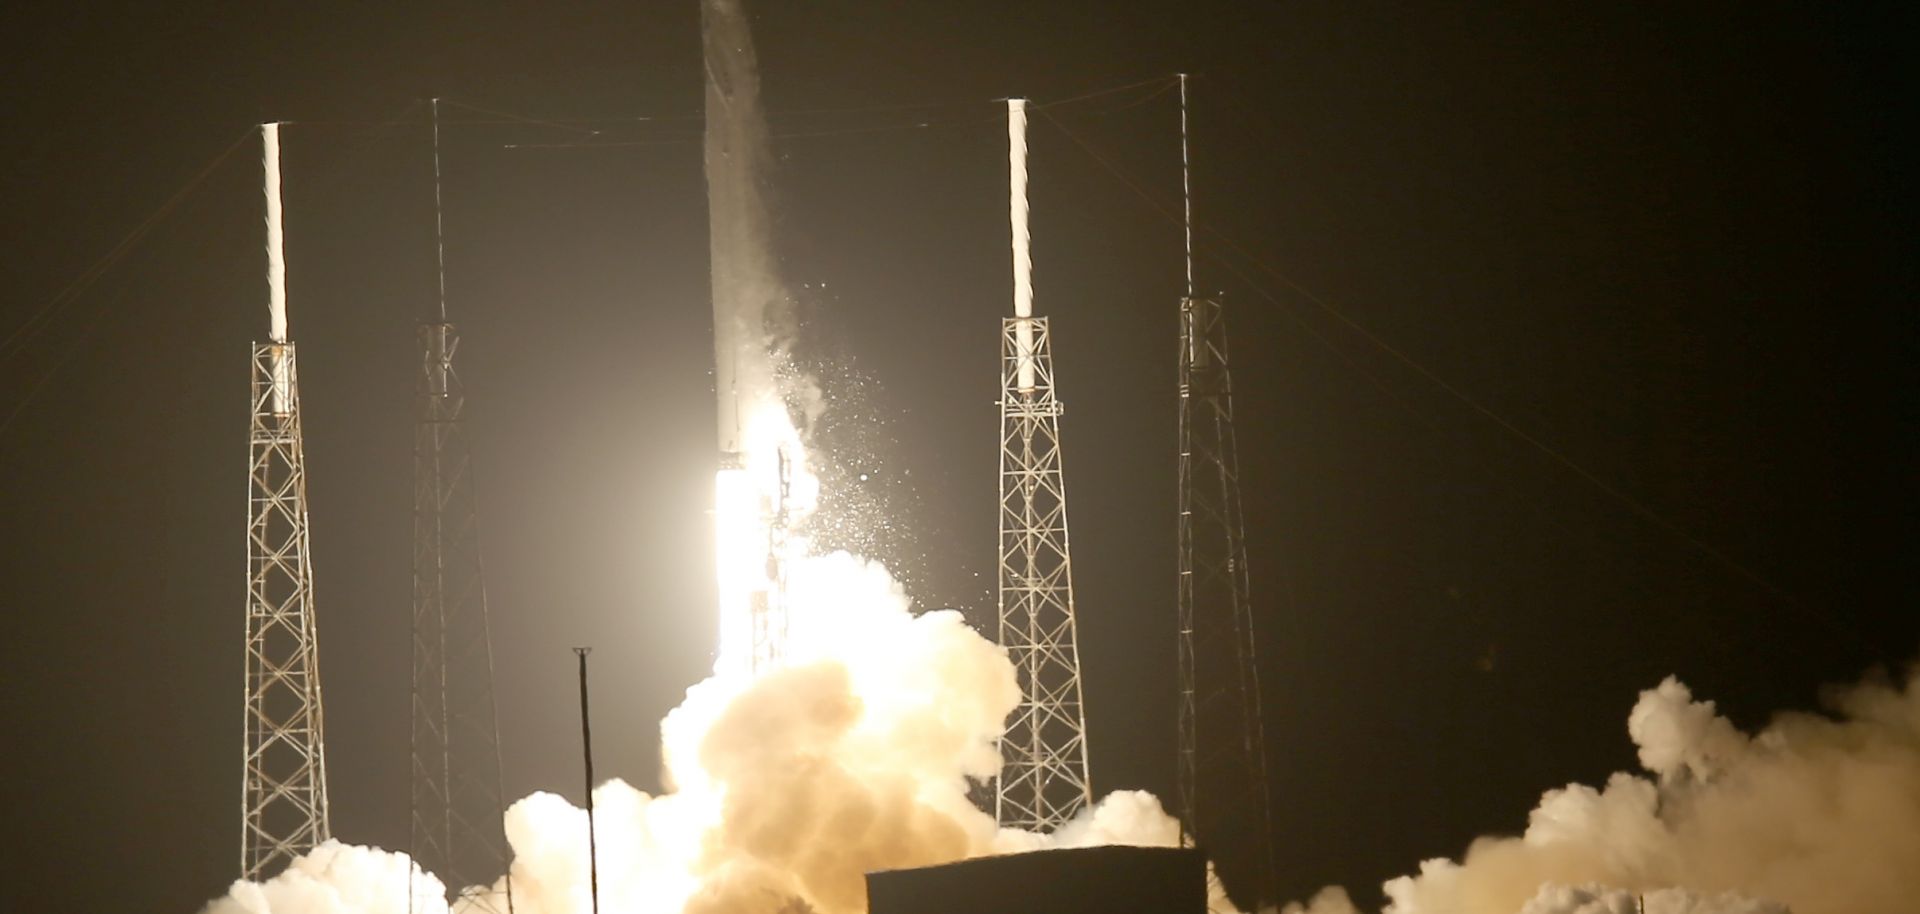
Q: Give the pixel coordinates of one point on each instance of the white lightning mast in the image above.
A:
(1043, 778)
(284, 788)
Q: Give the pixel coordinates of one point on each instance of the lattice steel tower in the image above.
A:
(457, 801)
(283, 795)
(1222, 777)
(1043, 779)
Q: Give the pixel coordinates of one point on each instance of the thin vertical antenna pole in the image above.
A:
(457, 797)
(1186, 185)
(586, 743)
(439, 231)
(1221, 777)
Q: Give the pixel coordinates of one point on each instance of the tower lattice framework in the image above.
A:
(1222, 776)
(1043, 780)
(284, 785)
(456, 793)
(457, 801)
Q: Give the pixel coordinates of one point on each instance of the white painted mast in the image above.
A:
(276, 236)
(1022, 237)
(276, 267)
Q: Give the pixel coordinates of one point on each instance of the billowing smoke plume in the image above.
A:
(786, 789)
(1814, 814)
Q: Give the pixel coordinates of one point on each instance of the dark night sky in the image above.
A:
(1672, 242)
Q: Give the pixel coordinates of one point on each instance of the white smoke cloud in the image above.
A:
(785, 790)
(337, 878)
(855, 756)
(1814, 815)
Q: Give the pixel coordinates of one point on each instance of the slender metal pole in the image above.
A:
(439, 231)
(1186, 185)
(586, 743)
(1224, 799)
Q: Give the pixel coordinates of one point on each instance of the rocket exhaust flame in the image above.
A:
(754, 543)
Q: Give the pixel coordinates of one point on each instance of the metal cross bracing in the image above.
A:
(1043, 778)
(457, 800)
(1222, 776)
(284, 785)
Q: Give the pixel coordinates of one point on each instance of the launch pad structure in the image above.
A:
(1221, 777)
(283, 806)
(456, 800)
(1043, 780)
(456, 797)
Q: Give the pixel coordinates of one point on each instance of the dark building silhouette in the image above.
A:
(1094, 880)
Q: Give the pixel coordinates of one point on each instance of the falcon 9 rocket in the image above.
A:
(749, 304)
(752, 322)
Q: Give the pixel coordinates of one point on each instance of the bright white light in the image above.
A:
(759, 507)
(740, 549)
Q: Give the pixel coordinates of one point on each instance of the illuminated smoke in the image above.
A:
(336, 878)
(786, 790)
(1593, 899)
(1814, 814)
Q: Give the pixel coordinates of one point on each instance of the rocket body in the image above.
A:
(749, 306)
(752, 327)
